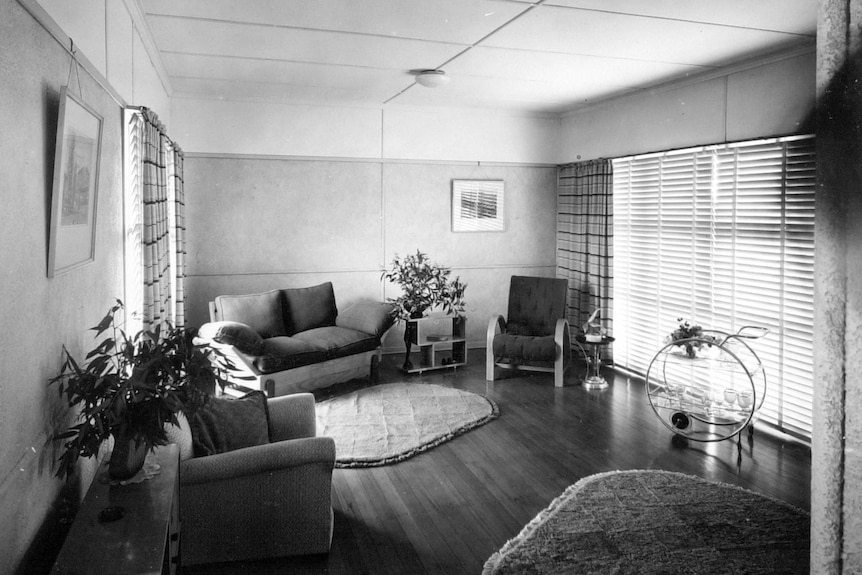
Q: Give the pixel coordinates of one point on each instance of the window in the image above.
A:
(722, 235)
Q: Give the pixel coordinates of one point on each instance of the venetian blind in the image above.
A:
(724, 236)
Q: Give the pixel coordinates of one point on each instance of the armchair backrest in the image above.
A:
(535, 305)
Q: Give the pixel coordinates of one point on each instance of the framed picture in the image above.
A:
(72, 240)
(478, 206)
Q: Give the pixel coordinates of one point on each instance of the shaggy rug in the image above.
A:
(388, 423)
(658, 522)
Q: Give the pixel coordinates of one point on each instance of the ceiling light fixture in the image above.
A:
(432, 78)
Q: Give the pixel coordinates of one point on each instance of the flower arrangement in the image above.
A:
(690, 336)
(425, 286)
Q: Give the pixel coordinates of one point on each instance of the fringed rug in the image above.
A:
(658, 522)
(388, 423)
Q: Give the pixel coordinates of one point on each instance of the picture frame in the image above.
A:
(478, 206)
(72, 235)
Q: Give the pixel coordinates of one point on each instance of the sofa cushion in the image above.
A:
(263, 312)
(526, 348)
(368, 317)
(339, 341)
(225, 424)
(308, 308)
(239, 335)
(280, 353)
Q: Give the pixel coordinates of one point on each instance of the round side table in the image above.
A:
(592, 353)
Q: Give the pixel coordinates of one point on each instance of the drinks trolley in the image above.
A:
(709, 387)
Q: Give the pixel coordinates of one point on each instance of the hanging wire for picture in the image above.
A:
(73, 64)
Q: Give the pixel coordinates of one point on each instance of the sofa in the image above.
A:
(266, 491)
(295, 340)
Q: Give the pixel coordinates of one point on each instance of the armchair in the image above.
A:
(264, 501)
(536, 335)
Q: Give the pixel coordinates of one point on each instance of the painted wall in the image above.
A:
(768, 100)
(281, 195)
(40, 314)
(269, 223)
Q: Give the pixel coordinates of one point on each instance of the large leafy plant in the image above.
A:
(131, 386)
(425, 286)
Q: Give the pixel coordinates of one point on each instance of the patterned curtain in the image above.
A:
(179, 237)
(156, 226)
(585, 241)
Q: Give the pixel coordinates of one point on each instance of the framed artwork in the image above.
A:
(478, 206)
(72, 240)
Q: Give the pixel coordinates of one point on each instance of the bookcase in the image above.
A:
(440, 342)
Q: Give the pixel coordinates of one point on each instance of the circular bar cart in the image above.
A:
(709, 387)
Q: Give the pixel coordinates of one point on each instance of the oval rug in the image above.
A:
(388, 423)
(658, 522)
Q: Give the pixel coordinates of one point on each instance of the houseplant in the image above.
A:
(425, 285)
(129, 388)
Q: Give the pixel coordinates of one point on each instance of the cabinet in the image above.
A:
(441, 342)
(145, 540)
(708, 388)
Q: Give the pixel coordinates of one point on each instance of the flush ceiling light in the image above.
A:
(432, 78)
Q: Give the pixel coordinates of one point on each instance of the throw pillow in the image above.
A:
(239, 335)
(224, 424)
(262, 312)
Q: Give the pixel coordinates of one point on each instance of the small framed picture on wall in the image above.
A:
(478, 206)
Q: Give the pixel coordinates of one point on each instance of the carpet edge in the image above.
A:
(548, 512)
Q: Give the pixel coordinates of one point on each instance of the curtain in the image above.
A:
(178, 243)
(585, 241)
(155, 222)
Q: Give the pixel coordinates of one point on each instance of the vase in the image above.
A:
(127, 458)
(409, 334)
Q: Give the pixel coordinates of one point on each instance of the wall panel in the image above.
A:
(767, 100)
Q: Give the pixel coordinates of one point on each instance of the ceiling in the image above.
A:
(547, 56)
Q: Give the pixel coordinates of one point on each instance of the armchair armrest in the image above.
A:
(495, 326)
(291, 416)
(367, 316)
(261, 459)
(564, 353)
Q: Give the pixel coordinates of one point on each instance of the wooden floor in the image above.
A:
(448, 509)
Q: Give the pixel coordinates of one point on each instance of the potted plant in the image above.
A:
(425, 286)
(690, 336)
(129, 388)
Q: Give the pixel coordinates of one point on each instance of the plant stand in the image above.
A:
(442, 343)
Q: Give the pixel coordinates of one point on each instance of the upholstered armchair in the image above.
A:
(268, 500)
(535, 334)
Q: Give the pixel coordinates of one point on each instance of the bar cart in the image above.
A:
(709, 387)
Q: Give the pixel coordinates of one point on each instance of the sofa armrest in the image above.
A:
(259, 460)
(291, 416)
(368, 317)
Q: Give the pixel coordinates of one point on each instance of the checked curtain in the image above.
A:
(585, 241)
(155, 216)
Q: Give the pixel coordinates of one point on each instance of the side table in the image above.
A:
(593, 378)
(145, 540)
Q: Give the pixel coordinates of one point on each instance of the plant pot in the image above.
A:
(127, 458)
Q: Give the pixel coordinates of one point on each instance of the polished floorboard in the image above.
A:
(447, 510)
